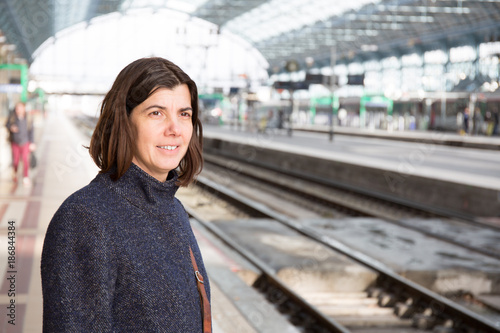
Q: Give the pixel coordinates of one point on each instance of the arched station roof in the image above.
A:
(284, 30)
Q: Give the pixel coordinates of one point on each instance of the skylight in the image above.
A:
(278, 16)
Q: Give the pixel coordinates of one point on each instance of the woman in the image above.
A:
(116, 256)
(21, 139)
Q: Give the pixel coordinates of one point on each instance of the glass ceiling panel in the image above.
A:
(282, 28)
(186, 6)
(278, 16)
(66, 13)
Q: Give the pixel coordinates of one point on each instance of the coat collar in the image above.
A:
(142, 190)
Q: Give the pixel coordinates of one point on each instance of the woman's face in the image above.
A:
(163, 127)
(20, 110)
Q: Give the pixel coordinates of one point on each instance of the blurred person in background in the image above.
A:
(495, 116)
(20, 128)
(477, 119)
(465, 119)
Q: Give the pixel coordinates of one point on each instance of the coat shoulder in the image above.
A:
(87, 207)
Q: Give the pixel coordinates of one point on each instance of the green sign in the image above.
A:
(24, 77)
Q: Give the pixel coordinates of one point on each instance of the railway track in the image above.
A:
(317, 192)
(392, 304)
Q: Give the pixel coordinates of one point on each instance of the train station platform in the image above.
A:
(65, 166)
(425, 173)
(61, 170)
(428, 137)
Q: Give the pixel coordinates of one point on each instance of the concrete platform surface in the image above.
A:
(441, 138)
(446, 179)
(475, 167)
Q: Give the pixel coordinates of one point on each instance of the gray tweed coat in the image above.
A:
(116, 259)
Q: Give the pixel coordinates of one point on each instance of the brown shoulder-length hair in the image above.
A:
(112, 143)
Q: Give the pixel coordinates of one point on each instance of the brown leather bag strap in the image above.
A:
(205, 304)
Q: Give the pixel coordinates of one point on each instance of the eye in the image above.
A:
(155, 113)
(186, 114)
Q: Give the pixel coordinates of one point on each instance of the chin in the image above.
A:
(167, 168)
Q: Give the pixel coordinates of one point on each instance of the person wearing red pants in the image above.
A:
(21, 139)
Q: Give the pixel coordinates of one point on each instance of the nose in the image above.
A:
(172, 127)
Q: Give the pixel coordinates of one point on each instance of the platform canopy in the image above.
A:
(305, 32)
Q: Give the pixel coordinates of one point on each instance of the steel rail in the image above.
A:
(367, 212)
(448, 308)
(340, 185)
(268, 274)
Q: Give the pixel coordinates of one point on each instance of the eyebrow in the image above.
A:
(154, 106)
